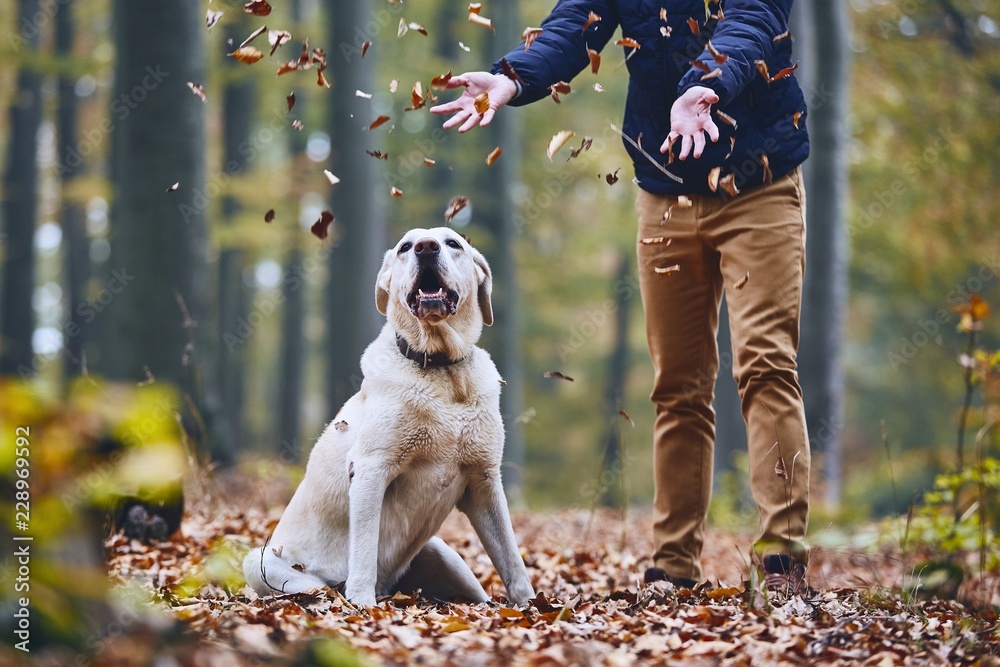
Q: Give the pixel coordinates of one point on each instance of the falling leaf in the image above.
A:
(529, 36)
(378, 155)
(454, 206)
(669, 270)
(559, 88)
(416, 97)
(726, 118)
(796, 117)
(694, 26)
(269, 216)
(663, 14)
(612, 178)
(395, 192)
(330, 177)
(625, 415)
(782, 37)
(713, 178)
(714, 74)
(666, 30)
(198, 90)
(720, 58)
(257, 8)
(321, 79)
(364, 48)
(416, 27)
(378, 122)
(440, 82)
(211, 18)
(277, 552)
(492, 157)
(742, 282)
(290, 66)
(362, 94)
(787, 72)
(584, 146)
(393, 85)
(628, 43)
(766, 163)
(247, 54)
(699, 65)
(321, 228)
(595, 60)
(728, 183)
(557, 375)
(277, 39)
(766, 73)
(462, 46)
(591, 20)
(290, 100)
(480, 20)
(401, 30)
(254, 35)
(684, 202)
(635, 144)
(557, 142)
(174, 187)
(656, 240)
(475, 7)
(297, 124)
(482, 103)
(779, 468)
(598, 87)
(429, 162)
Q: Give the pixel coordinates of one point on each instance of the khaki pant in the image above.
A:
(714, 245)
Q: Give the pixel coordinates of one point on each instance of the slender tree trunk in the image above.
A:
(238, 103)
(506, 133)
(730, 429)
(613, 395)
(359, 234)
(20, 194)
(159, 276)
(825, 291)
(76, 260)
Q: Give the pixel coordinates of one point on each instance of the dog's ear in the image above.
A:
(382, 282)
(485, 279)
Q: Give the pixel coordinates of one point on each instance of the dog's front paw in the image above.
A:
(521, 593)
(361, 596)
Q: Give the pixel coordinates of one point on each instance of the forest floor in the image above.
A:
(592, 608)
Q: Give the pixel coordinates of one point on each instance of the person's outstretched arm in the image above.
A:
(559, 53)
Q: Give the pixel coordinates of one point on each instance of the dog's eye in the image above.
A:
(405, 247)
(452, 243)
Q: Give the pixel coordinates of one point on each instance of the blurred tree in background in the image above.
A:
(260, 324)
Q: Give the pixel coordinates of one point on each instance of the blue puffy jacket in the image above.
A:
(769, 116)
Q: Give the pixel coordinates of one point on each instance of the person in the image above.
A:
(720, 207)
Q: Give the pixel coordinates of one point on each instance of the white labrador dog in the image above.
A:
(421, 436)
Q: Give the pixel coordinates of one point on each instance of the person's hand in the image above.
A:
(501, 90)
(690, 119)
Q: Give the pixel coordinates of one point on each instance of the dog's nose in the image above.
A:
(426, 249)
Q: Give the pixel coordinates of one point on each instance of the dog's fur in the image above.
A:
(407, 448)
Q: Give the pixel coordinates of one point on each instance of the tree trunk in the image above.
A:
(76, 260)
(159, 277)
(20, 188)
(611, 462)
(238, 103)
(506, 133)
(825, 290)
(359, 234)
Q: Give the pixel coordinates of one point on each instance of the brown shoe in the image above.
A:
(656, 574)
(784, 575)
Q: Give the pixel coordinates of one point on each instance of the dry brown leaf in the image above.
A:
(247, 54)
(559, 88)
(454, 206)
(713, 178)
(628, 43)
(378, 155)
(694, 26)
(663, 14)
(668, 270)
(584, 146)
(714, 74)
(720, 58)
(198, 90)
(728, 183)
(598, 88)
(330, 177)
(699, 65)
(403, 28)
(378, 122)
(684, 202)
(297, 124)
(742, 282)
(321, 228)
(290, 100)
(173, 188)
(416, 27)
(779, 469)
(782, 37)
(395, 192)
(595, 60)
(481, 20)
(492, 157)
(429, 162)
(557, 142)
(558, 376)
(362, 94)
(416, 97)
(626, 416)
(612, 178)
(440, 82)
(785, 73)
(796, 117)
(257, 8)
(475, 7)
(529, 36)
(254, 35)
(364, 48)
(393, 85)
(277, 39)
(766, 163)
(726, 118)
(269, 216)
(592, 18)
(656, 240)
(666, 30)
(482, 103)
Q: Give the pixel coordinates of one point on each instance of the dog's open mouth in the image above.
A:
(430, 298)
